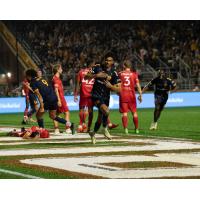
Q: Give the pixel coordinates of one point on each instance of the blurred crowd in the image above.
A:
(72, 42)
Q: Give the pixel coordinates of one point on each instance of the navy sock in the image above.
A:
(97, 126)
(105, 120)
(60, 120)
(40, 123)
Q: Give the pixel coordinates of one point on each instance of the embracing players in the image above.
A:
(106, 79)
(162, 85)
(127, 99)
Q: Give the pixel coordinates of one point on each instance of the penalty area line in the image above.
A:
(19, 174)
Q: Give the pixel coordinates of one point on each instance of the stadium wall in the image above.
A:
(178, 99)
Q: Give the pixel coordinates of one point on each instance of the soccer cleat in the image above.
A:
(80, 129)
(126, 131)
(72, 127)
(92, 136)
(23, 122)
(56, 131)
(137, 131)
(153, 126)
(84, 128)
(68, 131)
(107, 134)
(113, 126)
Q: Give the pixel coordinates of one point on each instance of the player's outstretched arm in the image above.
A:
(115, 88)
(40, 99)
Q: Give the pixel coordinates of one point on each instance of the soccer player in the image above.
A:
(30, 100)
(106, 79)
(62, 104)
(162, 85)
(84, 87)
(47, 99)
(127, 99)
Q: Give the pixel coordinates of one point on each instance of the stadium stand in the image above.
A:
(172, 45)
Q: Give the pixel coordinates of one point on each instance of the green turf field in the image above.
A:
(174, 122)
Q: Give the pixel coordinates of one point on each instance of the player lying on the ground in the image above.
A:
(47, 99)
(59, 90)
(162, 85)
(127, 99)
(106, 79)
(31, 133)
(84, 88)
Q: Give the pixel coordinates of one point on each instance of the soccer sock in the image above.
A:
(60, 120)
(105, 120)
(81, 117)
(90, 117)
(40, 123)
(85, 114)
(156, 115)
(97, 126)
(135, 121)
(125, 121)
(26, 112)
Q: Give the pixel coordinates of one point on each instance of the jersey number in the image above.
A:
(127, 81)
(45, 82)
(88, 82)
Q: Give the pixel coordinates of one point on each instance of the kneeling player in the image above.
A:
(47, 99)
(162, 85)
(127, 99)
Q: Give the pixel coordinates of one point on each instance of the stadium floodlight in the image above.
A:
(9, 74)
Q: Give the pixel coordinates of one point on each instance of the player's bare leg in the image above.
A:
(39, 116)
(111, 125)
(125, 122)
(56, 127)
(81, 119)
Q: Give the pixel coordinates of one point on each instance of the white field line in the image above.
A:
(19, 174)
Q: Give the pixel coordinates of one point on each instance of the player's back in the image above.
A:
(85, 85)
(128, 83)
(45, 89)
(57, 83)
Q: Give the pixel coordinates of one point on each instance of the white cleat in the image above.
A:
(68, 131)
(153, 126)
(92, 136)
(56, 131)
(107, 134)
(126, 131)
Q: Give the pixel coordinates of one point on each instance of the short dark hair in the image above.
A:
(31, 73)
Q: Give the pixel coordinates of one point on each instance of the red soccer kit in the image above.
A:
(57, 83)
(25, 88)
(127, 99)
(85, 88)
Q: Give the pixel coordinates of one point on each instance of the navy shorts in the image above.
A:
(50, 105)
(98, 101)
(161, 100)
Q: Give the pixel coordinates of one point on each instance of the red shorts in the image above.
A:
(64, 107)
(125, 107)
(86, 102)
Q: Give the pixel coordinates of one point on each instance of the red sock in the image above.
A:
(81, 117)
(135, 120)
(85, 116)
(125, 121)
(26, 112)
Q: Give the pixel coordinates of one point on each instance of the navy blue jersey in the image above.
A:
(46, 90)
(162, 86)
(99, 89)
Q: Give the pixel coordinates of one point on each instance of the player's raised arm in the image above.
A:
(146, 87)
(115, 87)
(40, 99)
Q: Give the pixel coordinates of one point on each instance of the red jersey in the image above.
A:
(25, 88)
(85, 85)
(57, 83)
(128, 83)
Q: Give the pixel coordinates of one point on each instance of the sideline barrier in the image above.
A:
(178, 99)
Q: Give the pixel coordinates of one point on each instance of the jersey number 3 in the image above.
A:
(127, 81)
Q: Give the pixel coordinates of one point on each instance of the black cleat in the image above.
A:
(72, 127)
